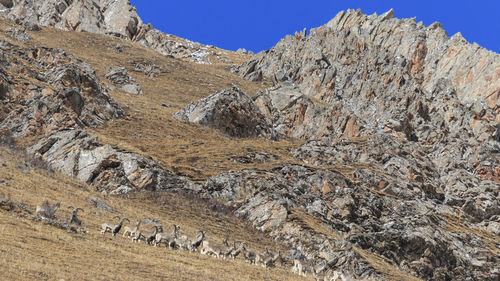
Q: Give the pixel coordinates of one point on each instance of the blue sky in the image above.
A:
(259, 24)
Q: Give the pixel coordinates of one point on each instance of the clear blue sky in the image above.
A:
(259, 24)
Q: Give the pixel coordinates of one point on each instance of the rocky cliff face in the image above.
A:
(63, 92)
(49, 94)
(114, 17)
(402, 130)
(358, 44)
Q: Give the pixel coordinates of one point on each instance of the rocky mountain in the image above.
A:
(388, 133)
(115, 17)
(415, 116)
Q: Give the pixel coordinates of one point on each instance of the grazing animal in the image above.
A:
(218, 250)
(168, 239)
(196, 243)
(190, 243)
(113, 228)
(150, 240)
(142, 235)
(251, 256)
(298, 267)
(270, 259)
(131, 232)
(238, 250)
(74, 216)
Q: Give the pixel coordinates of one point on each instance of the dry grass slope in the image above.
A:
(34, 250)
(149, 128)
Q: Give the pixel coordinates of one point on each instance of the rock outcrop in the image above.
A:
(76, 153)
(66, 94)
(231, 112)
(113, 17)
(410, 118)
(399, 158)
(126, 82)
(55, 97)
(329, 214)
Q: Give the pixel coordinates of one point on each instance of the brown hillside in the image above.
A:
(32, 249)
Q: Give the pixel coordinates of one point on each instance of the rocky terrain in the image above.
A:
(375, 151)
(117, 18)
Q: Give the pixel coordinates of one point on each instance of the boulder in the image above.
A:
(121, 17)
(76, 153)
(120, 77)
(231, 112)
(7, 3)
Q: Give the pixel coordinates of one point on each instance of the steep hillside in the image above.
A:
(366, 149)
(38, 249)
(114, 17)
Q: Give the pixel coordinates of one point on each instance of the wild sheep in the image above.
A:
(190, 243)
(46, 210)
(218, 250)
(270, 259)
(260, 257)
(131, 232)
(113, 228)
(151, 239)
(238, 250)
(168, 239)
(302, 267)
(298, 267)
(196, 243)
(148, 237)
(251, 256)
(74, 216)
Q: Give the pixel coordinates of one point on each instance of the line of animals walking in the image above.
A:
(199, 243)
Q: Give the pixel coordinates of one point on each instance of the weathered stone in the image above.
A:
(406, 113)
(150, 70)
(114, 17)
(77, 154)
(74, 100)
(18, 34)
(101, 205)
(126, 82)
(7, 3)
(231, 112)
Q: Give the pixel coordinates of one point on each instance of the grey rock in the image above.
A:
(132, 89)
(241, 51)
(399, 109)
(76, 153)
(18, 34)
(113, 17)
(7, 3)
(148, 69)
(101, 205)
(76, 95)
(120, 77)
(229, 111)
(117, 48)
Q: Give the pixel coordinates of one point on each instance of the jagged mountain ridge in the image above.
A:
(417, 115)
(114, 17)
(381, 197)
(429, 52)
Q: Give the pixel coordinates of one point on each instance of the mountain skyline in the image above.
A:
(231, 25)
